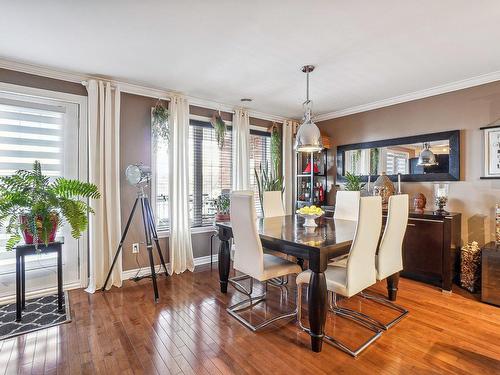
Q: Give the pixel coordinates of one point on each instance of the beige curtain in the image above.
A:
(181, 249)
(104, 171)
(241, 150)
(288, 163)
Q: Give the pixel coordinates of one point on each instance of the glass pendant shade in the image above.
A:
(426, 157)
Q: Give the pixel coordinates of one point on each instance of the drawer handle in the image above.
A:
(411, 225)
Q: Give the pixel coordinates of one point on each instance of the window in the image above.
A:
(161, 185)
(397, 162)
(260, 155)
(210, 171)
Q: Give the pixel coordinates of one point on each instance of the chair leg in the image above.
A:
(354, 315)
(388, 304)
(331, 340)
(249, 302)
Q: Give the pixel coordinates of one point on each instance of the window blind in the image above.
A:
(260, 155)
(209, 173)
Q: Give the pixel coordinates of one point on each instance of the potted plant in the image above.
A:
(220, 129)
(34, 205)
(267, 181)
(353, 182)
(223, 206)
(159, 124)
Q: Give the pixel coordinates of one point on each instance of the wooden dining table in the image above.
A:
(286, 234)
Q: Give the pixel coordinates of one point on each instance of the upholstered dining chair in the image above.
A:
(347, 205)
(358, 274)
(389, 259)
(272, 204)
(251, 261)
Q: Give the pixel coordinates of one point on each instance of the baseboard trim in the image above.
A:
(40, 293)
(145, 271)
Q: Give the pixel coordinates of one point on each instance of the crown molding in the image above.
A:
(437, 90)
(128, 87)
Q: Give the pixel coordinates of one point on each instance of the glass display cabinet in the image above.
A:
(311, 178)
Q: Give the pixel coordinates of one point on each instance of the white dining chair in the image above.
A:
(359, 273)
(250, 259)
(389, 259)
(347, 205)
(272, 204)
(346, 208)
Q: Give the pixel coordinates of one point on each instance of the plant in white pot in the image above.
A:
(35, 205)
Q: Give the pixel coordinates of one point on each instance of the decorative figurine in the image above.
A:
(419, 202)
(384, 187)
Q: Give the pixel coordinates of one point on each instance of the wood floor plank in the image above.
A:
(189, 332)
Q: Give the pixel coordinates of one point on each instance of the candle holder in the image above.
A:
(441, 198)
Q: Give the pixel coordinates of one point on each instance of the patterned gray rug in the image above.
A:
(40, 313)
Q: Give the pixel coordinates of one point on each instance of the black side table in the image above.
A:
(21, 252)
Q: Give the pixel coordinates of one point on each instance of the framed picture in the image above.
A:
(491, 145)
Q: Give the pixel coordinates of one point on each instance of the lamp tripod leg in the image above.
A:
(152, 225)
(120, 246)
(149, 245)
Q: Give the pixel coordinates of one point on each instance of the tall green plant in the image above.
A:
(267, 181)
(39, 200)
(353, 182)
(276, 149)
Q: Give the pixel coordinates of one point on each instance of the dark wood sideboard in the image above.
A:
(490, 274)
(431, 248)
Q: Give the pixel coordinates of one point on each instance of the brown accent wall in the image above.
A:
(135, 146)
(30, 80)
(467, 110)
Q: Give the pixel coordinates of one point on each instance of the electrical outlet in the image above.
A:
(135, 248)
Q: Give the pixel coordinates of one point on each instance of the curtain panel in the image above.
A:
(241, 150)
(181, 249)
(288, 163)
(104, 171)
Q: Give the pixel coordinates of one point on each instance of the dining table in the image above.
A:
(317, 245)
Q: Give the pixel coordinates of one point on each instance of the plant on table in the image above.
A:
(34, 204)
(353, 182)
(223, 206)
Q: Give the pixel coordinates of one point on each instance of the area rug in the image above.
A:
(40, 313)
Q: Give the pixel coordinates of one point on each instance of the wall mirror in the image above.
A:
(425, 157)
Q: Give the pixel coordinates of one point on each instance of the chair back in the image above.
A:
(272, 204)
(347, 205)
(249, 255)
(361, 272)
(390, 252)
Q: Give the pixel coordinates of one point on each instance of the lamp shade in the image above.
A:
(308, 138)
(426, 157)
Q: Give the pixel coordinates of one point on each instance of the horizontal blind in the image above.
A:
(260, 155)
(210, 171)
(29, 132)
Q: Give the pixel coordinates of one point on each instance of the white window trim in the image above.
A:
(81, 101)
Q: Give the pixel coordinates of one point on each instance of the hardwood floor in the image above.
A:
(189, 332)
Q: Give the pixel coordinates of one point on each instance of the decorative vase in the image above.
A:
(384, 187)
(441, 198)
(419, 202)
(28, 237)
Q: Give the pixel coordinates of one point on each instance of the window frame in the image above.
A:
(81, 101)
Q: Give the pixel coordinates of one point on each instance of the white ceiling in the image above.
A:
(365, 51)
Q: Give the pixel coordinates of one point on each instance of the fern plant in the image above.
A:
(353, 182)
(220, 129)
(31, 202)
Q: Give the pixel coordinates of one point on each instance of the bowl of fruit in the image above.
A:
(310, 213)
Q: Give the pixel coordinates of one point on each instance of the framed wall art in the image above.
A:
(491, 149)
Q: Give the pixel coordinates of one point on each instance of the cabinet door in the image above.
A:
(422, 250)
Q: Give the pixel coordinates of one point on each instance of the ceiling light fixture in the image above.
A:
(426, 157)
(308, 136)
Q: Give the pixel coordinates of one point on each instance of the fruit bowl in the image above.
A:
(310, 213)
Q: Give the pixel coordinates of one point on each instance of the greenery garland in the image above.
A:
(159, 124)
(275, 148)
(220, 129)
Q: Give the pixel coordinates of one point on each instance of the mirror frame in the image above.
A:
(452, 136)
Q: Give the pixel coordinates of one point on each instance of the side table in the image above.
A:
(490, 274)
(21, 252)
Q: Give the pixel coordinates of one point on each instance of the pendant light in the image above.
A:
(308, 136)
(426, 157)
